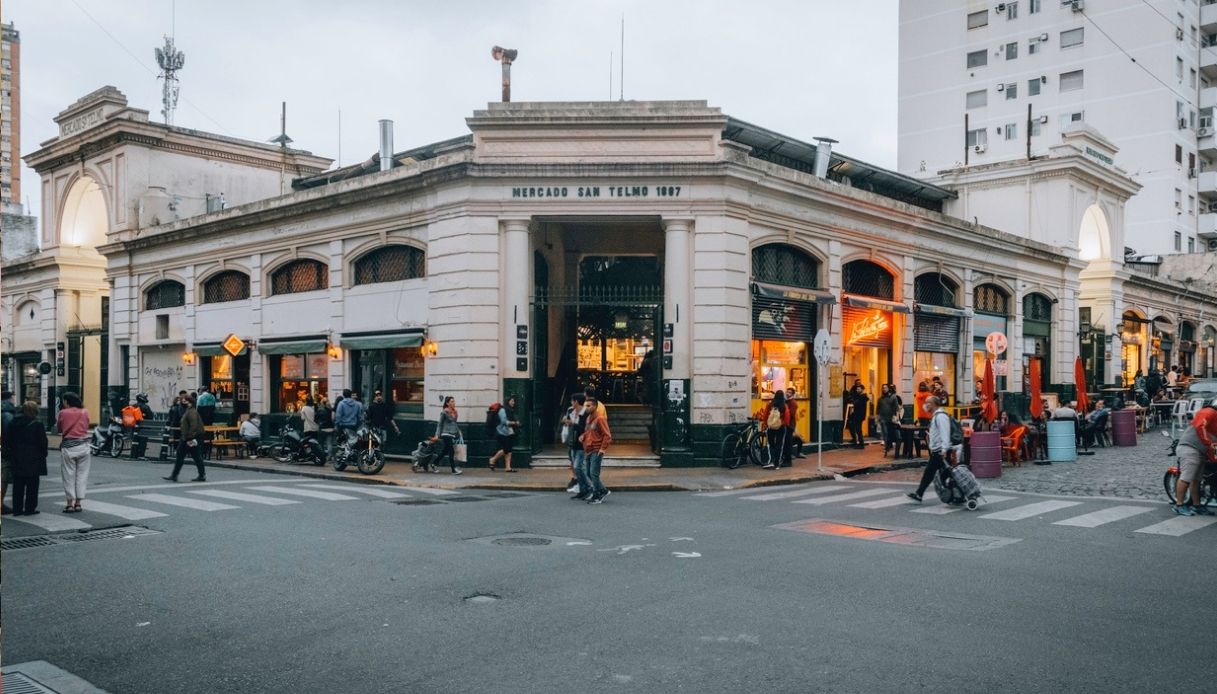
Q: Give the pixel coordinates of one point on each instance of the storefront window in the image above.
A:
(927, 365)
(778, 366)
(297, 377)
(407, 376)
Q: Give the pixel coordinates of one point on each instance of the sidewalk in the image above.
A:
(846, 462)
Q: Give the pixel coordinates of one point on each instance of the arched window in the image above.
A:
(167, 294)
(390, 264)
(1037, 307)
(935, 289)
(230, 285)
(990, 298)
(785, 265)
(1187, 331)
(302, 275)
(864, 278)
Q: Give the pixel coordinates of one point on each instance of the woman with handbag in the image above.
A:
(25, 447)
(449, 434)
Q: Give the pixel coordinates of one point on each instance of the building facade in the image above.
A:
(10, 120)
(985, 82)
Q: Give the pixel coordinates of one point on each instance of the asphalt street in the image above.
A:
(271, 583)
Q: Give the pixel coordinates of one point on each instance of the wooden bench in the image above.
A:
(220, 445)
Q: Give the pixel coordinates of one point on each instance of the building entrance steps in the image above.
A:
(619, 455)
(629, 423)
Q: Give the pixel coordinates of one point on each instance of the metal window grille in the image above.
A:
(299, 276)
(865, 278)
(988, 298)
(390, 264)
(786, 266)
(1037, 307)
(226, 286)
(167, 294)
(935, 289)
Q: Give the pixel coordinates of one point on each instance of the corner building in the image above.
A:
(678, 260)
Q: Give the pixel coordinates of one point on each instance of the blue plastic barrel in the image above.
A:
(1062, 442)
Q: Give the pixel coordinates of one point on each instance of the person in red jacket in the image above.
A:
(778, 437)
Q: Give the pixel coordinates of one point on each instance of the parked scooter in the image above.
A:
(293, 447)
(361, 449)
(108, 438)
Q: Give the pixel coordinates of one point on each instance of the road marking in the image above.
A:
(1039, 508)
(1180, 525)
(372, 491)
(727, 492)
(431, 491)
(251, 498)
(187, 502)
(311, 493)
(52, 522)
(843, 497)
(1107, 515)
(128, 512)
(937, 510)
(168, 485)
(987, 499)
(884, 503)
(804, 491)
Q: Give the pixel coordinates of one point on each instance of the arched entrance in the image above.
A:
(1094, 235)
(871, 320)
(84, 222)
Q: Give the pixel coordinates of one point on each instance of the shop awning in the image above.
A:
(943, 310)
(880, 304)
(383, 340)
(773, 291)
(216, 351)
(309, 346)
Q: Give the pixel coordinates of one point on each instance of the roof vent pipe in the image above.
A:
(823, 155)
(386, 145)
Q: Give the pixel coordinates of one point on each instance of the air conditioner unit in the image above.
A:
(1213, 207)
(1182, 123)
(1043, 37)
(1075, 5)
(1178, 34)
(1001, 7)
(1043, 119)
(1204, 132)
(979, 149)
(1043, 79)
(1001, 87)
(1213, 245)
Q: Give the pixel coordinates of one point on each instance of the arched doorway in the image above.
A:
(937, 325)
(1208, 353)
(871, 320)
(84, 223)
(1094, 235)
(991, 307)
(1187, 346)
(1037, 336)
(1133, 336)
(85, 220)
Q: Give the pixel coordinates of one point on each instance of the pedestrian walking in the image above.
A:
(449, 432)
(596, 438)
(73, 424)
(505, 434)
(6, 471)
(572, 429)
(940, 443)
(888, 410)
(775, 422)
(192, 443)
(25, 448)
(206, 405)
(795, 449)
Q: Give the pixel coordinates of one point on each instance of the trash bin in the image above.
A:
(985, 453)
(1124, 427)
(1062, 442)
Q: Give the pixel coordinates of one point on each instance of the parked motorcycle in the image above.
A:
(1208, 477)
(108, 438)
(293, 447)
(361, 449)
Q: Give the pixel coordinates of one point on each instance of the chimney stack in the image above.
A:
(506, 56)
(823, 155)
(386, 145)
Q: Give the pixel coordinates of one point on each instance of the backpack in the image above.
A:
(956, 430)
(492, 418)
(774, 420)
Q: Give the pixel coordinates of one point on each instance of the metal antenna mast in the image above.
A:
(171, 60)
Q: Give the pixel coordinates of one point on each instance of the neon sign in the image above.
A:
(873, 325)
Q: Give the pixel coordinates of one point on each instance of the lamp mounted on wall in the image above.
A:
(188, 358)
(429, 348)
(333, 350)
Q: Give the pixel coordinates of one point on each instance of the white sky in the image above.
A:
(802, 68)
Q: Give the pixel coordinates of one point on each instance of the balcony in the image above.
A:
(1206, 183)
(1208, 62)
(1208, 18)
(1207, 227)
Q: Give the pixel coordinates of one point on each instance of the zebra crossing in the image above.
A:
(143, 502)
(1002, 508)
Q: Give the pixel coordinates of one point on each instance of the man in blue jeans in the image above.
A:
(596, 439)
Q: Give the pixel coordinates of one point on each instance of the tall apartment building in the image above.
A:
(10, 120)
(985, 82)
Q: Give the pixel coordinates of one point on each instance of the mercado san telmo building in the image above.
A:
(676, 259)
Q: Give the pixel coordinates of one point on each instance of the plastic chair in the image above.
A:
(1179, 415)
(1012, 446)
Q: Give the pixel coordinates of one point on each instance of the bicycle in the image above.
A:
(747, 442)
(1208, 478)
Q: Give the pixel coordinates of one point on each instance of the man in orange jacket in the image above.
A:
(596, 439)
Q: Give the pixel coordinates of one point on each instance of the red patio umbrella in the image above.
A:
(1037, 400)
(1079, 378)
(988, 390)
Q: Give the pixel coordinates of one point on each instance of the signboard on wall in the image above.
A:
(774, 319)
(866, 327)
